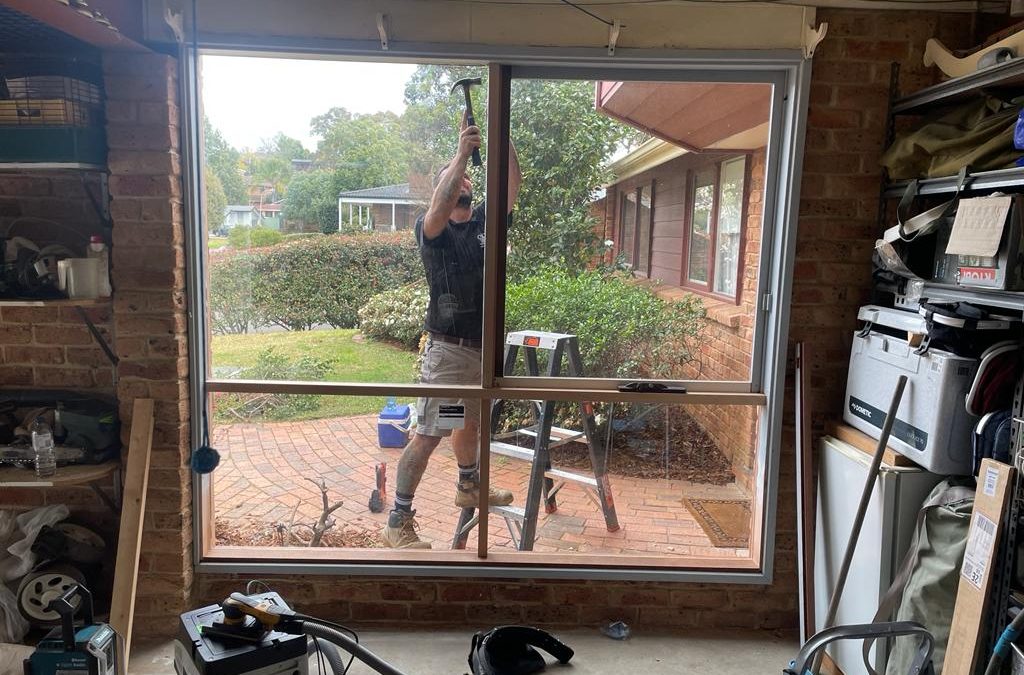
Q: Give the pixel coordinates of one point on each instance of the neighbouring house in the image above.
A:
(270, 215)
(389, 207)
(302, 164)
(240, 215)
(684, 210)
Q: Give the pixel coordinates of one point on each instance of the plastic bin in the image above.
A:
(393, 425)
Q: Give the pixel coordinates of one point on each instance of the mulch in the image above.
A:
(258, 533)
(638, 451)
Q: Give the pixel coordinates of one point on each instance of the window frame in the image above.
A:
(708, 289)
(637, 243)
(787, 70)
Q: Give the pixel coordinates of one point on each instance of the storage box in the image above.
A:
(1004, 270)
(393, 426)
(932, 426)
(47, 112)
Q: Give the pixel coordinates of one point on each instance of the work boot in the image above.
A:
(467, 496)
(400, 532)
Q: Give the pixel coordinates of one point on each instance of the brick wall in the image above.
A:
(150, 315)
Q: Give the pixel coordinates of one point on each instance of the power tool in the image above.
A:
(89, 650)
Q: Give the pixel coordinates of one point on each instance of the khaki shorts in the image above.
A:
(445, 363)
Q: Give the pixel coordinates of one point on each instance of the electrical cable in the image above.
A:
(588, 13)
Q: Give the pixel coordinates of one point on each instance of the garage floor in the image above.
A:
(444, 652)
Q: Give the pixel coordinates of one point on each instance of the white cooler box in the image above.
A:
(932, 425)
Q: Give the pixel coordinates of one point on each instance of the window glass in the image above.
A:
(627, 230)
(700, 225)
(729, 226)
(644, 231)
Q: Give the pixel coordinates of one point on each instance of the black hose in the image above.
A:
(330, 652)
(377, 664)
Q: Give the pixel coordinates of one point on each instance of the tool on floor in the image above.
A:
(806, 662)
(522, 521)
(91, 649)
(379, 494)
(858, 520)
(466, 83)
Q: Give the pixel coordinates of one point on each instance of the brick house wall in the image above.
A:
(832, 275)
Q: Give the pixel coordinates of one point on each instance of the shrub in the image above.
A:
(272, 365)
(623, 329)
(253, 237)
(232, 307)
(396, 315)
(299, 284)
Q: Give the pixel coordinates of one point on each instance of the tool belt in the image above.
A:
(508, 650)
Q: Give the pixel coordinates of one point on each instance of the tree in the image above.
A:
(216, 200)
(362, 150)
(313, 199)
(224, 160)
(273, 170)
(285, 147)
(563, 145)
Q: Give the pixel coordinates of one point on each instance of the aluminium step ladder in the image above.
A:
(522, 520)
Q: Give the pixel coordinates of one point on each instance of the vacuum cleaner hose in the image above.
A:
(330, 653)
(1009, 636)
(349, 645)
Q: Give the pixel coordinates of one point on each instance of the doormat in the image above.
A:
(725, 521)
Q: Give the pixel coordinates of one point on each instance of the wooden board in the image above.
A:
(133, 507)
(865, 443)
(80, 474)
(966, 633)
(806, 501)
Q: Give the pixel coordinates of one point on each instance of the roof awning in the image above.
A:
(694, 116)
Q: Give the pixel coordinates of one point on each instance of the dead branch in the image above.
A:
(324, 522)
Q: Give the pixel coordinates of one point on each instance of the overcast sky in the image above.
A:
(249, 99)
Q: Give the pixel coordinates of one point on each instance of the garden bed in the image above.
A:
(251, 532)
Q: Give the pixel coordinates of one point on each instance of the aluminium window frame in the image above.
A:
(786, 69)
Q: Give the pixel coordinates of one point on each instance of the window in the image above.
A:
(715, 229)
(307, 353)
(635, 229)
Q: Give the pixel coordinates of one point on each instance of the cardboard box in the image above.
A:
(995, 481)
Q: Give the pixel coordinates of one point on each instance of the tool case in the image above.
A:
(932, 426)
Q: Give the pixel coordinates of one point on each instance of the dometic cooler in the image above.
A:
(932, 425)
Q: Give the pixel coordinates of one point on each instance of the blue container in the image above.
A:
(393, 425)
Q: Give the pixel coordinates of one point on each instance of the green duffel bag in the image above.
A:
(924, 589)
(977, 134)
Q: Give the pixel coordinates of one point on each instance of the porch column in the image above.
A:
(394, 227)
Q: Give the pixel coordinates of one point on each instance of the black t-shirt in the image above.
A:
(454, 265)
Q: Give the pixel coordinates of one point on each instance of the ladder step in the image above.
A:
(512, 512)
(560, 474)
(513, 451)
(559, 436)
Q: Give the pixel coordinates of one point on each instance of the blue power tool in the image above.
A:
(89, 650)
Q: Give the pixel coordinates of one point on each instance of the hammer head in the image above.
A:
(466, 83)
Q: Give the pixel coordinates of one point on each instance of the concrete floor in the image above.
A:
(443, 652)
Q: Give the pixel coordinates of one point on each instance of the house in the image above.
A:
(389, 207)
(679, 212)
(669, 212)
(241, 215)
(270, 215)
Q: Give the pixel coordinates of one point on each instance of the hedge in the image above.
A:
(310, 282)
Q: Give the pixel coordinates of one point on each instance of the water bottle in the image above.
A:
(42, 444)
(391, 403)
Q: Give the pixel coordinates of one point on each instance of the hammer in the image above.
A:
(466, 83)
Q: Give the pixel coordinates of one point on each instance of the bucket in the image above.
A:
(83, 278)
(393, 426)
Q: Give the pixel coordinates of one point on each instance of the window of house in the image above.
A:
(308, 351)
(715, 227)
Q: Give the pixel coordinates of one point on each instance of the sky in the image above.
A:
(250, 99)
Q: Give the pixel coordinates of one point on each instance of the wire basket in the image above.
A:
(50, 91)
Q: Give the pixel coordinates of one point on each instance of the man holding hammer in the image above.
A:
(451, 241)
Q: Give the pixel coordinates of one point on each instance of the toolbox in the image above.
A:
(932, 426)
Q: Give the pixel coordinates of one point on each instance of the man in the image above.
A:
(451, 241)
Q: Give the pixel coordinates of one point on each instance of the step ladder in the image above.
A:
(522, 520)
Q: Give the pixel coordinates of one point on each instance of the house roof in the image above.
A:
(240, 208)
(400, 192)
(275, 206)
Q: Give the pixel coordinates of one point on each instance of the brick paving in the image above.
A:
(261, 479)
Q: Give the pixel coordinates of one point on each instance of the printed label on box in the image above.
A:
(451, 416)
(991, 482)
(980, 542)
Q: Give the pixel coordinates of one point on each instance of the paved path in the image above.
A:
(262, 477)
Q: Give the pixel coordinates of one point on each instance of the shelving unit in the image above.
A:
(1005, 77)
(92, 475)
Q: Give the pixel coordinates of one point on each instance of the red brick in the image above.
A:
(25, 186)
(34, 355)
(15, 334)
(408, 592)
(158, 113)
(62, 335)
(830, 118)
(63, 377)
(134, 185)
(124, 209)
(139, 88)
(148, 160)
(31, 315)
(840, 72)
(877, 50)
(121, 112)
(467, 592)
(93, 357)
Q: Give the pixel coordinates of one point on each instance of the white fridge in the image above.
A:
(884, 538)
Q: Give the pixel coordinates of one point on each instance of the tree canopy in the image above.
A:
(225, 162)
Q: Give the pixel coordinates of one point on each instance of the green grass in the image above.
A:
(351, 361)
(216, 242)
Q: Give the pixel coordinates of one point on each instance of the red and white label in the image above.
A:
(977, 274)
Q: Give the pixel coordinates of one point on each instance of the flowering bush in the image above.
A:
(396, 315)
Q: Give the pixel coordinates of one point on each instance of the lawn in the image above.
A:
(216, 242)
(353, 359)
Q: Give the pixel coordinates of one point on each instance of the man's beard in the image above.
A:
(465, 200)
